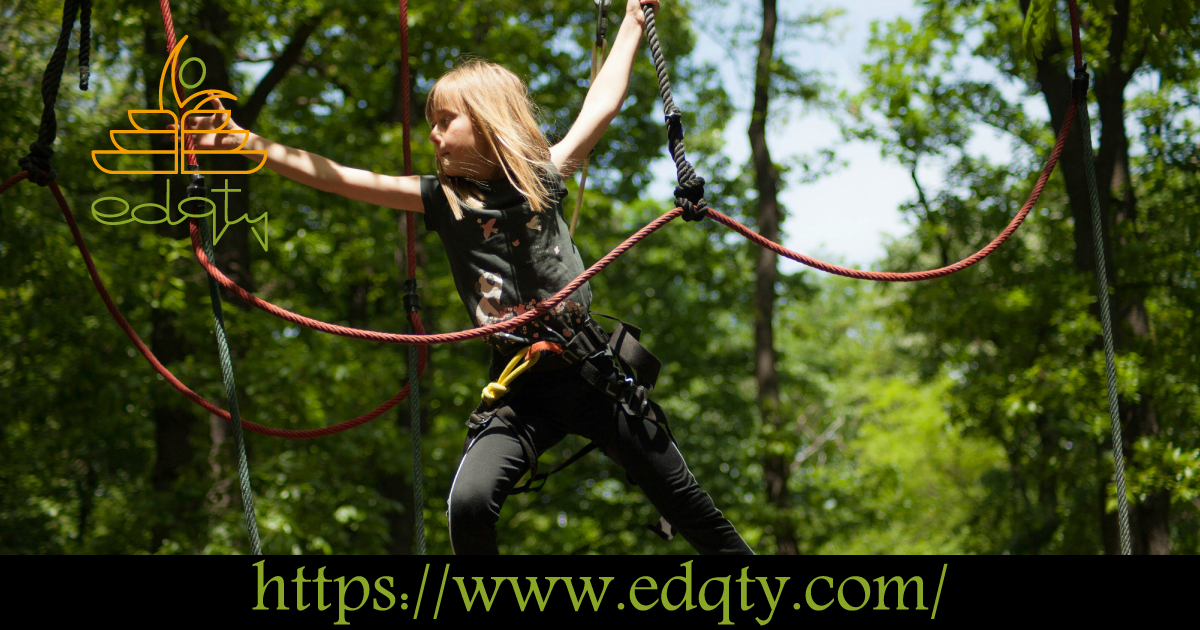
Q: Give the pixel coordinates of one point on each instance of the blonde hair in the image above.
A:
(498, 105)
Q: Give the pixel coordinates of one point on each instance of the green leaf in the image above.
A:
(1152, 14)
(1037, 28)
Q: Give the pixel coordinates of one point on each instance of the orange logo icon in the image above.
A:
(179, 148)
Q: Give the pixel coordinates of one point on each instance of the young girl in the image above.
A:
(496, 203)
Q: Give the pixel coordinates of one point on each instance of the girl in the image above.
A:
(496, 203)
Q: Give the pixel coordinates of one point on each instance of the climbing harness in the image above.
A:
(598, 47)
(617, 365)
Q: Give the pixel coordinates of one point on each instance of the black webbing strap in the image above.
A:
(534, 477)
(604, 362)
(626, 345)
(479, 420)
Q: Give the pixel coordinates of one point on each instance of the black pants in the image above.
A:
(550, 405)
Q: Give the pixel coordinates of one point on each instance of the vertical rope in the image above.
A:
(689, 194)
(598, 46)
(412, 305)
(37, 161)
(1110, 370)
(214, 292)
(1110, 364)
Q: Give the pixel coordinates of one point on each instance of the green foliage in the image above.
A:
(960, 416)
(1018, 335)
(1038, 26)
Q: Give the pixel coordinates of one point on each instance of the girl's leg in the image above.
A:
(653, 461)
(487, 473)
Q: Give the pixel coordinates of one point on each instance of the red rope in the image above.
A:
(542, 307)
(161, 369)
(428, 339)
(915, 276)
(1076, 44)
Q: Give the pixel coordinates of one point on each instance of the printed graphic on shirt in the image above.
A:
(534, 223)
(489, 228)
(490, 286)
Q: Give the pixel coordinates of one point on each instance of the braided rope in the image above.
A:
(37, 161)
(1110, 369)
(214, 293)
(85, 43)
(430, 339)
(916, 276)
(689, 195)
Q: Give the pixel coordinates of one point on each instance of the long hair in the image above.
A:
(498, 105)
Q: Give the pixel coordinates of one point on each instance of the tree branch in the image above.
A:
(248, 113)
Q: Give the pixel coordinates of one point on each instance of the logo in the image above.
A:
(179, 148)
(179, 152)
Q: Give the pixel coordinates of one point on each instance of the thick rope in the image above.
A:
(915, 276)
(689, 194)
(1110, 369)
(214, 293)
(37, 161)
(412, 304)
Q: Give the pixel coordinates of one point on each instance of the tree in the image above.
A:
(1020, 333)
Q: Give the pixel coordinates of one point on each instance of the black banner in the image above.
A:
(760, 591)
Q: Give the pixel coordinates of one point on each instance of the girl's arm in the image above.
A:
(606, 95)
(310, 169)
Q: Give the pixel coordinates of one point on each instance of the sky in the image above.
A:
(846, 216)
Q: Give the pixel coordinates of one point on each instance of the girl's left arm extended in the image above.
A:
(606, 95)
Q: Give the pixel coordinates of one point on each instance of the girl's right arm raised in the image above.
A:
(310, 169)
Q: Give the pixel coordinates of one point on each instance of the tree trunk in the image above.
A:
(776, 467)
(1149, 524)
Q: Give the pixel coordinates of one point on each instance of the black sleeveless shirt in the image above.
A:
(506, 258)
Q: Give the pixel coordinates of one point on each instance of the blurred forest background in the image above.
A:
(963, 415)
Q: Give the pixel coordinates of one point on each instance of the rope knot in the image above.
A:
(37, 163)
(494, 392)
(689, 195)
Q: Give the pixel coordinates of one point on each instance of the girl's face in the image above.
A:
(461, 151)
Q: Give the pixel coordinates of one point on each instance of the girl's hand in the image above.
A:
(214, 141)
(633, 8)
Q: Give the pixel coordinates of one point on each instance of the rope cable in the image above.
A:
(598, 46)
(412, 304)
(214, 292)
(1110, 370)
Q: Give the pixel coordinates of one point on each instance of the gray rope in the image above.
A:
(214, 292)
(689, 194)
(1110, 370)
(414, 400)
